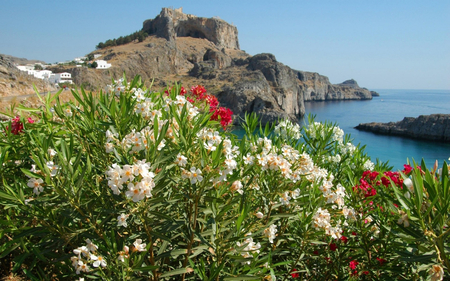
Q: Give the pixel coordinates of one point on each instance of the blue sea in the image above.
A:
(391, 105)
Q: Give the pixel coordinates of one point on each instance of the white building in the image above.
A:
(25, 67)
(42, 74)
(63, 77)
(96, 56)
(102, 64)
(80, 60)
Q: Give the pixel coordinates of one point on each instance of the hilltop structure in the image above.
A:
(172, 23)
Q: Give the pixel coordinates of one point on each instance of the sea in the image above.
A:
(391, 105)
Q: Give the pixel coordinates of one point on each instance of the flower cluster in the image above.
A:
(137, 178)
(288, 130)
(86, 255)
(198, 96)
(17, 125)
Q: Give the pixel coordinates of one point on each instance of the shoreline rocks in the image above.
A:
(435, 127)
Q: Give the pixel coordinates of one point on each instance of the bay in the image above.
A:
(391, 105)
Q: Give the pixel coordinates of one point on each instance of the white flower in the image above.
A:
(81, 250)
(51, 152)
(195, 175)
(139, 95)
(139, 246)
(68, 112)
(270, 232)
(122, 220)
(109, 147)
(36, 184)
(403, 219)
(368, 165)
(181, 160)
(409, 184)
(53, 168)
(259, 215)
(91, 246)
(237, 186)
(134, 192)
(436, 272)
(284, 198)
(98, 261)
(249, 159)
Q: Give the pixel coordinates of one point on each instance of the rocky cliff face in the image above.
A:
(318, 88)
(172, 23)
(431, 127)
(195, 50)
(14, 82)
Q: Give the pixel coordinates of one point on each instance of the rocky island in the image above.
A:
(434, 127)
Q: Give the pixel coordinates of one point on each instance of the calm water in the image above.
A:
(392, 105)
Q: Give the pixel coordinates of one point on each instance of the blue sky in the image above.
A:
(395, 44)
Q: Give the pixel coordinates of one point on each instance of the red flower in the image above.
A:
(365, 272)
(353, 264)
(333, 247)
(407, 169)
(344, 239)
(17, 126)
(381, 261)
(295, 274)
(198, 90)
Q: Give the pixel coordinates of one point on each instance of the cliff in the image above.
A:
(194, 50)
(434, 127)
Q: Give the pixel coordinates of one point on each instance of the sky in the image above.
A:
(383, 44)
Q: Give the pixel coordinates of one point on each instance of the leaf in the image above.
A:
(241, 277)
(146, 268)
(177, 272)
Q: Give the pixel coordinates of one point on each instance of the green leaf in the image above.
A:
(176, 272)
(241, 277)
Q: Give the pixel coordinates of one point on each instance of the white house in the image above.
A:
(63, 77)
(42, 74)
(102, 64)
(96, 56)
(25, 67)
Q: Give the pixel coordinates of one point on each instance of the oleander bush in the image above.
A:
(134, 184)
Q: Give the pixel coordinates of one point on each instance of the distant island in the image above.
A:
(435, 127)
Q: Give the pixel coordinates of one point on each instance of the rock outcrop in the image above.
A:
(14, 82)
(171, 23)
(317, 87)
(434, 127)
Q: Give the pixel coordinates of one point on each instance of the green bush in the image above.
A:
(135, 184)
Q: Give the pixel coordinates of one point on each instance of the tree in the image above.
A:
(38, 67)
(94, 64)
(90, 56)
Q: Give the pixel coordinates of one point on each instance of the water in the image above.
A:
(392, 105)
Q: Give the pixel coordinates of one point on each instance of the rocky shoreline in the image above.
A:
(435, 127)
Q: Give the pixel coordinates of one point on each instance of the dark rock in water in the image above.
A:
(434, 127)
(374, 94)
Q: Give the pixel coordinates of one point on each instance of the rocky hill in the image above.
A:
(431, 127)
(14, 82)
(196, 50)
